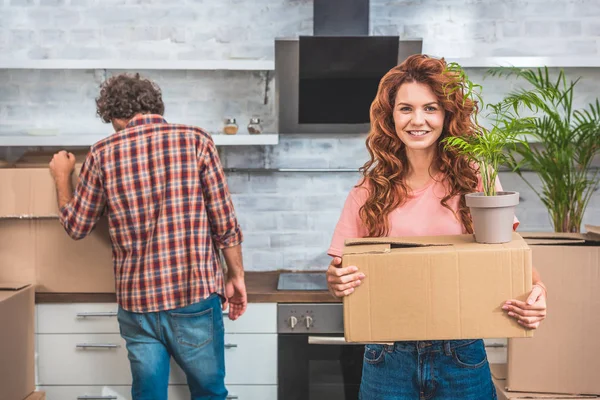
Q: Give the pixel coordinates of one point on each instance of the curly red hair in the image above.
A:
(385, 173)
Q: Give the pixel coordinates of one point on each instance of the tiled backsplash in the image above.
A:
(287, 218)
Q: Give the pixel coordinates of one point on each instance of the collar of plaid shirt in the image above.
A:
(143, 119)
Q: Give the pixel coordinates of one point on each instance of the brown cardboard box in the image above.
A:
(17, 379)
(37, 396)
(503, 394)
(564, 356)
(436, 287)
(35, 248)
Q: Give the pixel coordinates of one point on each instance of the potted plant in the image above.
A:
(492, 212)
(568, 140)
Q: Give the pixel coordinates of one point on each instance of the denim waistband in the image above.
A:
(430, 346)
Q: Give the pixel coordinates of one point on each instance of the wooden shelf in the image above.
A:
(214, 65)
(527, 62)
(269, 65)
(88, 140)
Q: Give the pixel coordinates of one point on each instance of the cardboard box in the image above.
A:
(37, 396)
(434, 288)
(17, 304)
(564, 356)
(34, 247)
(503, 394)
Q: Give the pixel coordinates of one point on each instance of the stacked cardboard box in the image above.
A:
(17, 379)
(499, 378)
(437, 287)
(37, 396)
(33, 245)
(564, 355)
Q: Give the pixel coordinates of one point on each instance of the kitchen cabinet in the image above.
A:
(81, 353)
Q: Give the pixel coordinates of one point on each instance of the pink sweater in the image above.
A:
(422, 215)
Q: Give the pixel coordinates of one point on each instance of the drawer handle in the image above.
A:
(97, 314)
(497, 345)
(230, 345)
(96, 397)
(232, 397)
(97, 346)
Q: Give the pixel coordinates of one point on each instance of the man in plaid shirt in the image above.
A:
(164, 192)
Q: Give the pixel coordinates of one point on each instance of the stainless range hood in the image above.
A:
(325, 83)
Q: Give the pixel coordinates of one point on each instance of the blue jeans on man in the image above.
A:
(192, 335)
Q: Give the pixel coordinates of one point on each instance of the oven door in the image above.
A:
(318, 367)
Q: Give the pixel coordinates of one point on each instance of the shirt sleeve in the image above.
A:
(498, 186)
(349, 225)
(224, 226)
(79, 216)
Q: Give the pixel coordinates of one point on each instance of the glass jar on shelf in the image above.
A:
(254, 126)
(230, 127)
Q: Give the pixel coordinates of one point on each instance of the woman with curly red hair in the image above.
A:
(414, 186)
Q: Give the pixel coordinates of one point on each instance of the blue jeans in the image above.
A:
(192, 335)
(448, 370)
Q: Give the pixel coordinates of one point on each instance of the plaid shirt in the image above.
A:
(164, 191)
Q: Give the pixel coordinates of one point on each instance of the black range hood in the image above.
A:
(325, 83)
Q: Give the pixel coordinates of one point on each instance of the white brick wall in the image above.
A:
(287, 218)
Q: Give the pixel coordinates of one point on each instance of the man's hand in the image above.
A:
(531, 312)
(235, 292)
(62, 166)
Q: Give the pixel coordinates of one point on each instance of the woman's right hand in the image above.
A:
(342, 281)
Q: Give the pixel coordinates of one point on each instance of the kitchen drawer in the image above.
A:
(236, 392)
(496, 350)
(258, 318)
(61, 362)
(77, 318)
(102, 318)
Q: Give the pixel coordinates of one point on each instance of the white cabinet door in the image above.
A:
(101, 359)
(236, 392)
(77, 318)
(258, 318)
(251, 359)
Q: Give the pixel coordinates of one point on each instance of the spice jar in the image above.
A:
(230, 127)
(254, 127)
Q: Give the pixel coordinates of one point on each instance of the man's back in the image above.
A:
(167, 200)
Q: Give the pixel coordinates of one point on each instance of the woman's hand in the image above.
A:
(531, 312)
(342, 281)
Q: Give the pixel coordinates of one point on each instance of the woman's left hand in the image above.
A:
(531, 312)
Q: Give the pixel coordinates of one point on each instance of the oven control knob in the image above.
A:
(293, 321)
(309, 322)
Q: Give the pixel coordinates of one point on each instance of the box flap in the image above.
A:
(12, 285)
(565, 238)
(386, 244)
(593, 231)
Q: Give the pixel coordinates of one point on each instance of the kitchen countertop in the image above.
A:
(261, 288)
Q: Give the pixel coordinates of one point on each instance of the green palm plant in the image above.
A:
(570, 140)
(487, 148)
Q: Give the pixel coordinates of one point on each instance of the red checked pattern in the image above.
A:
(165, 194)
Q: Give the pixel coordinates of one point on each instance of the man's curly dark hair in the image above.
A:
(123, 96)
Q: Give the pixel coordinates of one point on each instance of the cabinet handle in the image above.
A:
(96, 397)
(97, 314)
(232, 397)
(96, 346)
(500, 345)
(230, 345)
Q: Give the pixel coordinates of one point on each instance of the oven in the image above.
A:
(314, 361)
